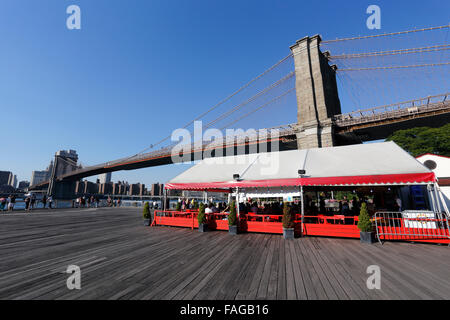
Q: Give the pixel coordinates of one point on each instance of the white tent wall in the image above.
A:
(364, 160)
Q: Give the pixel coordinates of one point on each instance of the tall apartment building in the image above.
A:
(134, 189)
(5, 177)
(105, 177)
(157, 189)
(38, 177)
(105, 188)
(12, 181)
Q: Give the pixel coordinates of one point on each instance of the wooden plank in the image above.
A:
(327, 270)
(122, 259)
(281, 279)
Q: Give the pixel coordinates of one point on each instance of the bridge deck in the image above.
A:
(121, 259)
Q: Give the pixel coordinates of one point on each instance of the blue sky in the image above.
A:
(139, 69)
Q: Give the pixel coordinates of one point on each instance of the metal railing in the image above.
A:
(392, 111)
(412, 226)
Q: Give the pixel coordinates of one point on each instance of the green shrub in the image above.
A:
(232, 219)
(288, 217)
(146, 212)
(201, 217)
(364, 223)
(178, 207)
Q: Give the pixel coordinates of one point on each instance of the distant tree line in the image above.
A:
(422, 140)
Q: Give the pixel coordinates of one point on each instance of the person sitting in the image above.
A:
(208, 209)
(346, 209)
(322, 205)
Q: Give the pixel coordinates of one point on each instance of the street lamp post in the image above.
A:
(236, 178)
(301, 173)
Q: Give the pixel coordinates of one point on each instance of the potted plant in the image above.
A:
(288, 222)
(146, 214)
(365, 226)
(201, 218)
(178, 207)
(232, 219)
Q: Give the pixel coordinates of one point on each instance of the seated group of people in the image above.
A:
(210, 208)
(252, 207)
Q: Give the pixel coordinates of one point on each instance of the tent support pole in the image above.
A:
(302, 208)
(430, 194)
(438, 202)
(164, 199)
(237, 202)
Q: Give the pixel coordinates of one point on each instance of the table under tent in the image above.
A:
(325, 187)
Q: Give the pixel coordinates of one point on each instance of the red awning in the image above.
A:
(391, 179)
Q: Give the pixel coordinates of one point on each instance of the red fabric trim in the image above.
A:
(432, 154)
(407, 178)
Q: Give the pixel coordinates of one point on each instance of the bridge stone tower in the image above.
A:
(317, 94)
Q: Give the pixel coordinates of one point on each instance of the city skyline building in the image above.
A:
(13, 180)
(5, 177)
(105, 177)
(23, 185)
(38, 177)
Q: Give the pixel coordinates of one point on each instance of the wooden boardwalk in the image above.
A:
(121, 259)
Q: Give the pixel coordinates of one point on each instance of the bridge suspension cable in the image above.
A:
(392, 52)
(259, 94)
(386, 34)
(259, 108)
(220, 103)
(396, 67)
(389, 67)
(248, 84)
(249, 97)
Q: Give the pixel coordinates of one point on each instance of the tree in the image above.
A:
(232, 219)
(422, 140)
(364, 223)
(288, 217)
(146, 211)
(201, 217)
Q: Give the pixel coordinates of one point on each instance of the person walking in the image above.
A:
(27, 203)
(50, 202)
(33, 201)
(11, 202)
(3, 204)
(44, 201)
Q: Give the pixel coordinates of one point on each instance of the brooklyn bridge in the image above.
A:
(390, 81)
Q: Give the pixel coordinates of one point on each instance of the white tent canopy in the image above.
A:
(363, 164)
